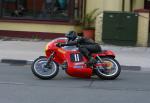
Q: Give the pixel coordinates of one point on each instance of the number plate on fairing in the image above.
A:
(76, 57)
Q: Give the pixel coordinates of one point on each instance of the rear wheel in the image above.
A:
(111, 69)
(41, 71)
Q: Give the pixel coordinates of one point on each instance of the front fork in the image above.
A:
(100, 60)
(101, 65)
(49, 59)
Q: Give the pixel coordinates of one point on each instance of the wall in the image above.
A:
(37, 27)
(127, 6)
(112, 5)
(92, 4)
(104, 5)
(138, 4)
(143, 29)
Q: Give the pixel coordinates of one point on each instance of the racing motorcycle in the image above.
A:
(74, 63)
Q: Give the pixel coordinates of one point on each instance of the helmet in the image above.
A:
(71, 35)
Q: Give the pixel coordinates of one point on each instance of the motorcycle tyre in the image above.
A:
(40, 76)
(100, 75)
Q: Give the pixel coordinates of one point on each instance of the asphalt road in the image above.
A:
(18, 85)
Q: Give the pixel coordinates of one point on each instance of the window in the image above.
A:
(16, 8)
(55, 10)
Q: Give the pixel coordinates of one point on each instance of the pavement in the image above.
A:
(24, 51)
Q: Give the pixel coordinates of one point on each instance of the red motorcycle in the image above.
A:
(74, 63)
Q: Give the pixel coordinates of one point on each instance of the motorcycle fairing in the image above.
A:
(76, 66)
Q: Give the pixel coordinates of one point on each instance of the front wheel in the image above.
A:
(111, 69)
(41, 71)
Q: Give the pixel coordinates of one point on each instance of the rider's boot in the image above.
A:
(91, 61)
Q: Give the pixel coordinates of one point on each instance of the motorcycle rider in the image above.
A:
(86, 46)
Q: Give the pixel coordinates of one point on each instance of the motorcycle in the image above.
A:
(74, 63)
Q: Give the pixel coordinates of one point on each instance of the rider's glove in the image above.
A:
(59, 44)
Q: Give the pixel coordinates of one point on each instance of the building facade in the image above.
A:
(53, 18)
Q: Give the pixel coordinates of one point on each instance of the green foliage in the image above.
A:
(89, 19)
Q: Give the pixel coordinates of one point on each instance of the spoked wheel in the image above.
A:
(41, 71)
(109, 70)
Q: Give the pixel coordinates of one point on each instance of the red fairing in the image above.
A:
(51, 46)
